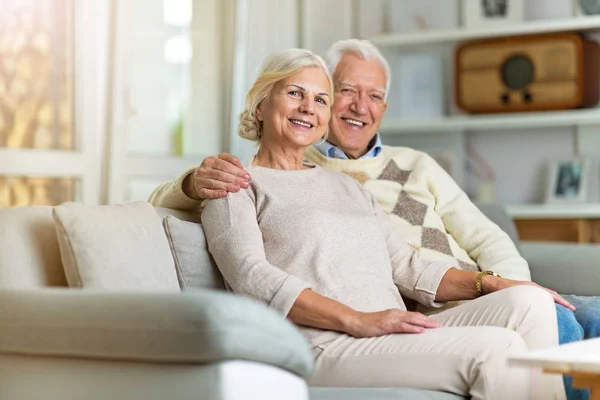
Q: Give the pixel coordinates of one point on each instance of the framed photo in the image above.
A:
(569, 181)
(491, 13)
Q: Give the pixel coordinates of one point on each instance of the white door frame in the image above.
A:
(120, 166)
(89, 25)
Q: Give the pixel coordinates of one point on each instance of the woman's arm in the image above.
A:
(235, 241)
(312, 309)
(461, 285)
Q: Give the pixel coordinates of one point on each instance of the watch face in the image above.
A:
(590, 7)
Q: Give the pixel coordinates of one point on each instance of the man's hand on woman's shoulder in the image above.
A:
(216, 176)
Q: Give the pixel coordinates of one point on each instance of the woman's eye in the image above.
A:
(294, 93)
(319, 100)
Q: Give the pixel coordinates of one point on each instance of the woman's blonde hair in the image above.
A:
(277, 67)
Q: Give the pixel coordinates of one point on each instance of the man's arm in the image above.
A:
(212, 179)
(487, 244)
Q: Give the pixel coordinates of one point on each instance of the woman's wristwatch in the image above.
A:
(479, 281)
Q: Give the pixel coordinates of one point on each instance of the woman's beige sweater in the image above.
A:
(318, 229)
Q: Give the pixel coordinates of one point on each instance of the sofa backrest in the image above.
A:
(30, 253)
(497, 214)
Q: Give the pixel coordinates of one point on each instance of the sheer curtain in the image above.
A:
(261, 27)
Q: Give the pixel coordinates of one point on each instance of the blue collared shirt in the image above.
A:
(331, 151)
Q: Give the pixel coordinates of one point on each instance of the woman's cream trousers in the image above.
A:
(468, 356)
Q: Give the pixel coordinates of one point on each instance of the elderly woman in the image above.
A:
(313, 245)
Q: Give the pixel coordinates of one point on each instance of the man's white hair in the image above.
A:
(363, 49)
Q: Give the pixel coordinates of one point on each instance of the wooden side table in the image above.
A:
(578, 223)
(581, 360)
(559, 230)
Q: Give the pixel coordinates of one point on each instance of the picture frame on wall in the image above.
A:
(491, 13)
(569, 180)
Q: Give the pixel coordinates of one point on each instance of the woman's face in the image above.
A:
(297, 112)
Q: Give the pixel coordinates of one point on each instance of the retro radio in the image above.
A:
(528, 73)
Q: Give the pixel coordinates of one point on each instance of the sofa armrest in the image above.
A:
(196, 327)
(566, 268)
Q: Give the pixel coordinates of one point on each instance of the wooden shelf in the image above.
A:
(579, 24)
(522, 120)
(554, 211)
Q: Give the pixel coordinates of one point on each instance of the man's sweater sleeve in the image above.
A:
(235, 242)
(484, 241)
(170, 195)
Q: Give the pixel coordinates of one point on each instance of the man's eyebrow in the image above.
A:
(346, 83)
(354, 85)
(304, 90)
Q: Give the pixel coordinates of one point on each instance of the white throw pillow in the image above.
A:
(195, 267)
(116, 247)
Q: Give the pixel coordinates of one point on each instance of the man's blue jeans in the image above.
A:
(573, 326)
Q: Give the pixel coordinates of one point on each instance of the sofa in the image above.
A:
(64, 340)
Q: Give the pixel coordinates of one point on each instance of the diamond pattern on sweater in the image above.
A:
(410, 209)
(465, 266)
(361, 177)
(392, 172)
(435, 239)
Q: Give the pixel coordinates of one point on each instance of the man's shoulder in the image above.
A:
(406, 155)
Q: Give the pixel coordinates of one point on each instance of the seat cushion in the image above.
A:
(198, 326)
(323, 393)
(195, 267)
(114, 247)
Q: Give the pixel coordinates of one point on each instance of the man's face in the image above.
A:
(359, 104)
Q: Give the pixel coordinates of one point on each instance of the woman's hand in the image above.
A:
(493, 284)
(216, 176)
(386, 322)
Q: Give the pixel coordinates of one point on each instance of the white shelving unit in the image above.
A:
(466, 122)
(586, 122)
(494, 121)
(579, 24)
(554, 211)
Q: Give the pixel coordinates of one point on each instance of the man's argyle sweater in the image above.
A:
(430, 211)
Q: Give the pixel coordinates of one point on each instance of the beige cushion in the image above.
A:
(195, 267)
(29, 253)
(116, 247)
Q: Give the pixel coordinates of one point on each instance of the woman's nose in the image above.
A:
(307, 106)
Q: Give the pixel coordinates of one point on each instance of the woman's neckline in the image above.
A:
(305, 163)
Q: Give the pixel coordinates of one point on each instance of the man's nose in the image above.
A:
(359, 105)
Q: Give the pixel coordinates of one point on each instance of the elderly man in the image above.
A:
(424, 203)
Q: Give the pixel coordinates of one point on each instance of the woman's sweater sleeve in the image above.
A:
(414, 277)
(235, 242)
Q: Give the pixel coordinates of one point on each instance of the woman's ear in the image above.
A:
(259, 114)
